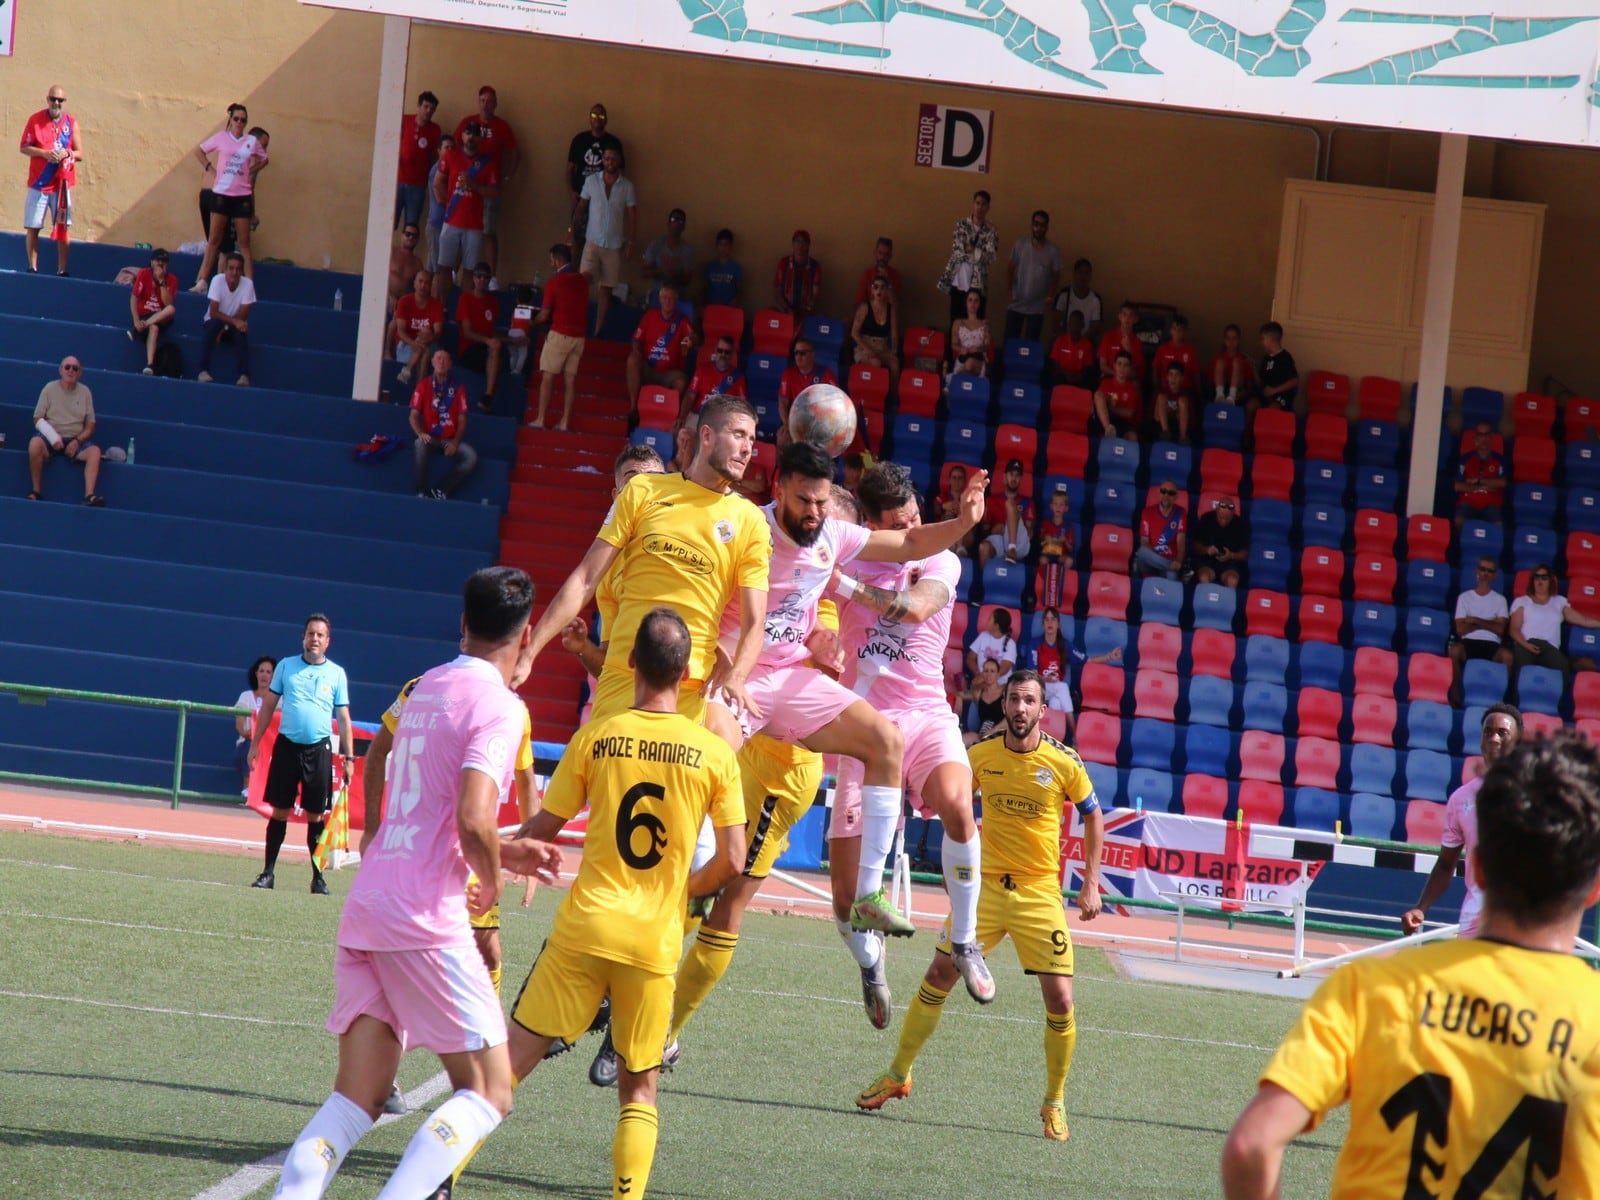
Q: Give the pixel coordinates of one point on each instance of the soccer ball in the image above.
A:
(824, 416)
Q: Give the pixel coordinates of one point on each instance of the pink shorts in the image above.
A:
(933, 738)
(440, 1000)
(795, 702)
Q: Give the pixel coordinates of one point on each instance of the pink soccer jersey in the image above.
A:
(409, 893)
(1461, 829)
(897, 665)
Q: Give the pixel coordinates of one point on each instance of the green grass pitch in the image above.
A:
(163, 1030)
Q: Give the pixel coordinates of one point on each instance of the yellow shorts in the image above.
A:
(490, 919)
(563, 991)
(780, 785)
(1032, 913)
(614, 694)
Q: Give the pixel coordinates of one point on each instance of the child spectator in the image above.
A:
(1072, 357)
(1279, 378)
(229, 301)
(519, 335)
(154, 303)
(1123, 339)
(994, 644)
(1231, 372)
(1178, 349)
(1174, 409)
(1117, 402)
(1057, 546)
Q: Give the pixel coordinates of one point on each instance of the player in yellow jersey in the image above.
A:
(650, 776)
(1472, 1066)
(1026, 779)
(687, 541)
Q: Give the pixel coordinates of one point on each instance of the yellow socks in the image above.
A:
(633, 1151)
(494, 978)
(1060, 1038)
(706, 962)
(922, 1018)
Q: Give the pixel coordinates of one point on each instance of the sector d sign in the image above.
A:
(956, 139)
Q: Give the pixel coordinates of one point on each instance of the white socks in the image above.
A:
(962, 861)
(450, 1133)
(320, 1149)
(705, 845)
(864, 947)
(880, 815)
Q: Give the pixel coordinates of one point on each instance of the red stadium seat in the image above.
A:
(1271, 475)
(1533, 459)
(920, 342)
(1373, 720)
(1101, 686)
(1589, 727)
(1266, 613)
(724, 320)
(1377, 399)
(766, 454)
(1533, 415)
(1585, 695)
(1316, 762)
(1321, 571)
(1376, 531)
(1108, 595)
(1471, 768)
(1110, 548)
(1424, 822)
(1320, 712)
(1066, 454)
(1071, 407)
(1068, 599)
(1537, 724)
(1205, 796)
(1582, 420)
(960, 616)
(1274, 431)
(658, 407)
(1321, 619)
(1099, 736)
(1261, 755)
(1155, 694)
(981, 617)
(1015, 441)
(773, 331)
(869, 387)
(1374, 577)
(1377, 671)
(919, 393)
(1221, 471)
(1160, 647)
(1211, 652)
(1327, 394)
(1582, 592)
(1583, 554)
(1428, 677)
(1428, 537)
(1326, 436)
(1261, 803)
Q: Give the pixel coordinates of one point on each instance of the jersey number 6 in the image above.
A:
(630, 822)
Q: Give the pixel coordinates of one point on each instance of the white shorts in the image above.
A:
(40, 205)
(795, 702)
(1058, 695)
(441, 1000)
(932, 738)
(998, 541)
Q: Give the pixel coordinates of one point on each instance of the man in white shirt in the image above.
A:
(1480, 625)
(231, 296)
(607, 207)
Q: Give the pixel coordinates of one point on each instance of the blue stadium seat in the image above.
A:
(1583, 641)
(1270, 520)
(1427, 630)
(969, 399)
(969, 576)
(1214, 607)
(828, 335)
(1378, 487)
(1427, 775)
(1107, 783)
(1325, 483)
(1024, 360)
(911, 439)
(920, 468)
(1322, 665)
(1583, 510)
(1116, 502)
(1324, 525)
(1535, 504)
(1208, 750)
(1484, 682)
(659, 440)
(1168, 460)
(1101, 635)
(1269, 562)
(1377, 443)
(1266, 659)
(1151, 789)
(1539, 690)
(762, 373)
(1531, 546)
(1371, 815)
(1372, 624)
(1315, 808)
(1265, 705)
(1472, 728)
(1223, 426)
(964, 441)
(1482, 404)
(1077, 494)
(1478, 538)
(1117, 458)
(767, 419)
(1429, 726)
(1003, 582)
(1427, 583)
(1210, 702)
(1583, 465)
(1152, 743)
(1019, 403)
(1160, 600)
(1372, 769)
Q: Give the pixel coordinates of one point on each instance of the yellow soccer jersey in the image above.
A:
(688, 547)
(649, 779)
(1472, 1068)
(391, 722)
(607, 595)
(1024, 799)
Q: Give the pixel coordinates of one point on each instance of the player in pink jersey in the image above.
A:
(802, 705)
(894, 626)
(407, 972)
(1502, 730)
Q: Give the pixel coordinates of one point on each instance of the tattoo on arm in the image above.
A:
(916, 604)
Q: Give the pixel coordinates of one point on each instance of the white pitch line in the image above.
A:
(56, 919)
(49, 866)
(250, 1179)
(166, 1012)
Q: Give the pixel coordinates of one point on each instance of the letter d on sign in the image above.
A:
(957, 139)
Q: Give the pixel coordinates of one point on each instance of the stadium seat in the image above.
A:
(1427, 583)
(724, 320)
(1373, 624)
(1260, 802)
(1316, 762)
(1535, 504)
(1322, 665)
(767, 419)
(1582, 461)
(1221, 471)
(1315, 808)
(1015, 441)
(1266, 658)
(1054, 724)
(1023, 359)
(965, 441)
(1377, 487)
(1019, 403)
(1377, 443)
(1539, 690)
(1531, 546)
(1067, 454)
(1326, 436)
(1274, 432)
(1327, 394)
(1160, 599)
(1211, 652)
(1222, 426)
(1151, 742)
(1168, 460)
(1428, 537)
(869, 386)
(658, 408)
(1583, 554)
(1321, 619)
(912, 438)
(828, 335)
(1585, 696)
(1116, 502)
(1581, 419)
(1424, 821)
(1372, 769)
(1004, 582)
(1205, 796)
(1271, 476)
(1261, 755)
(1376, 671)
(1533, 415)
(1427, 775)
(1264, 706)
(1372, 816)
(1270, 521)
(1118, 458)
(1427, 630)
(772, 332)
(1160, 646)
(1268, 564)
(1208, 750)
(1378, 398)
(659, 440)
(1110, 548)
(1150, 789)
(1266, 613)
(1155, 694)
(967, 400)
(1584, 642)
(1101, 635)
(919, 393)
(1583, 510)
(1214, 606)
(1482, 404)
(1533, 460)
(1326, 483)
(1210, 701)
(1070, 408)
(1101, 686)
(1323, 525)
(1429, 726)
(1319, 713)
(1099, 737)
(1321, 571)
(1373, 719)
(1374, 577)
(1480, 538)
(1589, 727)
(1375, 532)
(1108, 594)
(1428, 677)
(1106, 781)
(1538, 724)
(919, 345)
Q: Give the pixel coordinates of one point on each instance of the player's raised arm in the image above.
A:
(576, 592)
(924, 541)
(911, 606)
(1252, 1157)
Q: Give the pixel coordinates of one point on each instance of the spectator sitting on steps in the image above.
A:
(64, 418)
(231, 297)
(154, 303)
(477, 317)
(439, 421)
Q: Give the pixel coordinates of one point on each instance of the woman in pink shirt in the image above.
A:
(239, 157)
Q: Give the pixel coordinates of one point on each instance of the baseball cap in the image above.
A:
(487, 90)
(800, 235)
(1014, 465)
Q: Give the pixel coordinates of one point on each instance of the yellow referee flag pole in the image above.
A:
(335, 837)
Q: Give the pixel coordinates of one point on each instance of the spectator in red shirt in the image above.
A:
(661, 346)
(880, 269)
(1174, 408)
(798, 279)
(1123, 338)
(419, 146)
(417, 325)
(566, 308)
(1163, 536)
(797, 378)
(154, 303)
(1057, 546)
(1072, 358)
(1177, 349)
(50, 141)
(1481, 480)
(477, 317)
(1008, 519)
(500, 144)
(717, 375)
(1117, 401)
(439, 421)
(467, 179)
(1231, 372)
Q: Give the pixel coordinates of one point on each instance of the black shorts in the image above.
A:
(1479, 648)
(306, 771)
(235, 208)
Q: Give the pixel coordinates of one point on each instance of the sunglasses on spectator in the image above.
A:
(597, 116)
(1172, 492)
(1541, 575)
(723, 350)
(237, 120)
(803, 353)
(1229, 507)
(76, 367)
(1490, 571)
(56, 100)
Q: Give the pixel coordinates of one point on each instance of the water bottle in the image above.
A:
(130, 452)
(338, 300)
